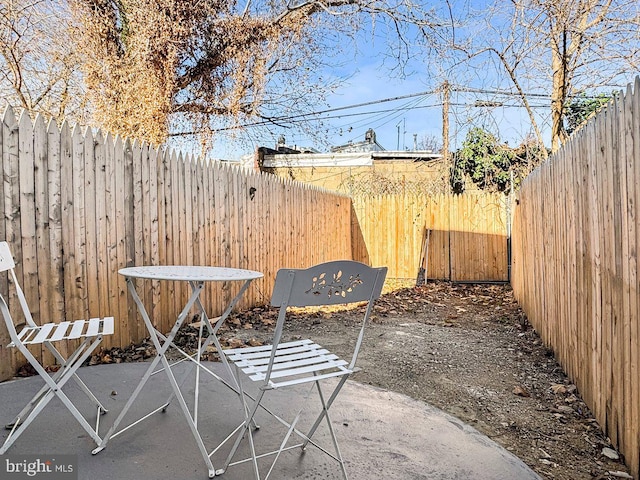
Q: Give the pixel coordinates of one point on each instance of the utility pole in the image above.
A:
(402, 122)
(404, 133)
(446, 91)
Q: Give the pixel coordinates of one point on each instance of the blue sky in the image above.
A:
(395, 122)
(366, 79)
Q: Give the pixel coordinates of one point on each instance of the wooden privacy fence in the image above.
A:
(575, 264)
(467, 241)
(77, 206)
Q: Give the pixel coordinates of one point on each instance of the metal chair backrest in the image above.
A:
(303, 361)
(331, 283)
(7, 263)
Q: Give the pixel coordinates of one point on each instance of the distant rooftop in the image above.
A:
(351, 154)
(369, 145)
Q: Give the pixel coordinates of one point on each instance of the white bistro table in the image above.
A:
(196, 276)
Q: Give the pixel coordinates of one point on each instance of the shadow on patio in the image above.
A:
(382, 434)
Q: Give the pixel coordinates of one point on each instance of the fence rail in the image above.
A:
(575, 264)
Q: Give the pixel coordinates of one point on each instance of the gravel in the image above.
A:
(466, 349)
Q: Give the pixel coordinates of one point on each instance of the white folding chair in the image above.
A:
(288, 364)
(89, 331)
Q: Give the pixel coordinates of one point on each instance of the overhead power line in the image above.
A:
(301, 117)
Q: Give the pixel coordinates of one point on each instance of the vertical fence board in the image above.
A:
(67, 218)
(198, 211)
(178, 242)
(154, 254)
(575, 243)
(610, 293)
(91, 223)
(136, 245)
(218, 236)
(165, 230)
(121, 213)
(55, 275)
(6, 356)
(633, 180)
(623, 328)
(111, 237)
(26, 217)
(102, 229)
(41, 239)
(79, 285)
(186, 211)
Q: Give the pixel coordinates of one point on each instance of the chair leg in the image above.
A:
(76, 378)
(246, 430)
(36, 398)
(41, 399)
(55, 377)
(20, 427)
(249, 415)
(71, 373)
(53, 387)
(326, 407)
(325, 413)
(290, 430)
(252, 447)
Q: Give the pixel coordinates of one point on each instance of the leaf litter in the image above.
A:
(466, 349)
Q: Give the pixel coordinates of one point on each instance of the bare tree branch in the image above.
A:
(35, 52)
(557, 47)
(148, 63)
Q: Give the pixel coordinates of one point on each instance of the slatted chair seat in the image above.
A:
(89, 332)
(55, 332)
(292, 365)
(288, 364)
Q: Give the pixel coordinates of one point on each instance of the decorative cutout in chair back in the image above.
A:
(328, 284)
(334, 284)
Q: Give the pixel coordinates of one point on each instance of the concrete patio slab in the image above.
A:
(382, 434)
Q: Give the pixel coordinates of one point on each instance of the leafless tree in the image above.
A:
(38, 67)
(158, 66)
(550, 48)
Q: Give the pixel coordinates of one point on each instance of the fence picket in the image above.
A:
(91, 222)
(102, 228)
(576, 264)
(632, 138)
(6, 356)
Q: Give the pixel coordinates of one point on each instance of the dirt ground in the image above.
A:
(466, 349)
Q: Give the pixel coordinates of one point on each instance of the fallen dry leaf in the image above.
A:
(520, 391)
